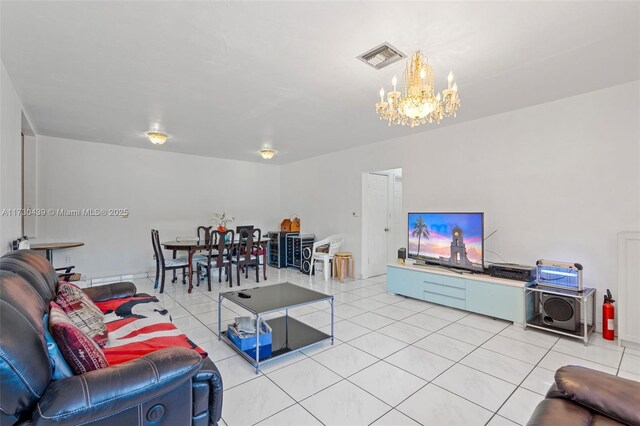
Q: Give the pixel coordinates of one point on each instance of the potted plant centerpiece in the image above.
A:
(222, 220)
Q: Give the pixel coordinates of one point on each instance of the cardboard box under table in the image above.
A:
(247, 344)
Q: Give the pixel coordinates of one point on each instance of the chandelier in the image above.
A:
(418, 103)
(157, 138)
(267, 153)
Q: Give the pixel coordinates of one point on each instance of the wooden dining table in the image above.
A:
(193, 246)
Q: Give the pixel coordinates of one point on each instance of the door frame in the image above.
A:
(364, 265)
(628, 335)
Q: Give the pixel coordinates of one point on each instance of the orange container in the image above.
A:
(285, 226)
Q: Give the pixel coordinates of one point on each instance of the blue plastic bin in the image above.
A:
(248, 344)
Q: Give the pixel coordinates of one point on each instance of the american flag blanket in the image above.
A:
(137, 326)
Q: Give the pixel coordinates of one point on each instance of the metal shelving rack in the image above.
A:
(277, 248)
(295, 245)
(534, 315)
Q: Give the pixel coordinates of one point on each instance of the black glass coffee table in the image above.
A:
(288, 334)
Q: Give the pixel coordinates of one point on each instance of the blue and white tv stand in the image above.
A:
(479, 293)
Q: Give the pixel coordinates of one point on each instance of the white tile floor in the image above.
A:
(448, 367)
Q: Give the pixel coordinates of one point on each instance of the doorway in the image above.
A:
(28, 178)
(381, 220)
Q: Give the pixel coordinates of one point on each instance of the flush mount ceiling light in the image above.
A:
(418, 103)
(267, 153)
(156, 137)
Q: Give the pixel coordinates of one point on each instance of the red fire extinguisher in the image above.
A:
(608, 315)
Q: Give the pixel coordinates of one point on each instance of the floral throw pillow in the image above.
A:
(82, 311)
(80, 351)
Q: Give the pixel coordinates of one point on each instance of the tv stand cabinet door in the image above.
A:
(405, 282)
(495, 300)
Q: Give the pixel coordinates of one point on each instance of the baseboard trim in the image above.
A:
(116, 278)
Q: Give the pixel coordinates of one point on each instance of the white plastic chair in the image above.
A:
(334, 242)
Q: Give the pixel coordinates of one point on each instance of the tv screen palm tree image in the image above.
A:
(447, 239)
(419, 229)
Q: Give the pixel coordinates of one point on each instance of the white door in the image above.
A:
(377, 223)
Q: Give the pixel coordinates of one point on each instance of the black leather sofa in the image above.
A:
(581, 396)
(173, 386)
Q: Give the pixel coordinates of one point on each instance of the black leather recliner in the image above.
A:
(173, 386)
(582, 396)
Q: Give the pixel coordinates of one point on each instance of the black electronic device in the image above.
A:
(307, 254)
(560, 312)
(402, 253)
(295, 244)
(512, 271)
(241, 228)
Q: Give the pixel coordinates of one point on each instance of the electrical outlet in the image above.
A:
(67, 259)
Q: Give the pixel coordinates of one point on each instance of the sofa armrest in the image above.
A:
(207, 394)
(610, 395)
(99, 393)
(554, 411)
(102, 293)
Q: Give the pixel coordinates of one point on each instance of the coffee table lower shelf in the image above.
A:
(288, 335)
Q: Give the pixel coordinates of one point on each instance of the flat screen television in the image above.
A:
(449, 239)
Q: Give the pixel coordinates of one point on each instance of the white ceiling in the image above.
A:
(223, 78)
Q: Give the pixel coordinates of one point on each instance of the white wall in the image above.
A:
(171, 192)
(10, 160)
(558, 180)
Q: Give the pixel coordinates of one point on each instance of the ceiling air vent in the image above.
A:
(381, 56)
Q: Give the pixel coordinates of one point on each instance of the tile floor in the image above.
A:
(442, 367)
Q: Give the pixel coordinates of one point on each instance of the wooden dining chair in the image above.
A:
(162, 264)
(220, 245)
(239, 233)
(246, 253)
(204, 232)
(258, 249)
